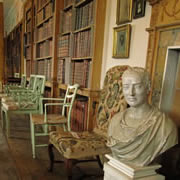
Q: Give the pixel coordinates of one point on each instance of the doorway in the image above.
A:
(170, 96)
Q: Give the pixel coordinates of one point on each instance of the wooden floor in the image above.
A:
(16, 161)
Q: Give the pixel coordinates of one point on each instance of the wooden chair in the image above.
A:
(25, 103)
(22, 85)
(13, 93)
(75, 146)
(60, 119)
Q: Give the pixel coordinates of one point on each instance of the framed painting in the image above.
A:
(124, 11)
(139, 8)
(121, 41)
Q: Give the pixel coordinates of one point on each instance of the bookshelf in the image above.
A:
(79, 52)
(65, 38)
(45, 30)
(14, 52)
(28, 37)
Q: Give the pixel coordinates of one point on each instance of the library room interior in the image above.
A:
(90, 89)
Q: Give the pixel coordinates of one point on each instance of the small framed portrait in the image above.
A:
(124, 11)
(139, 8)
(121, 41)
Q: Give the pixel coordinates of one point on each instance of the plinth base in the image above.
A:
(116, 170)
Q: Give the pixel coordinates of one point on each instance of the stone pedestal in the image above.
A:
(116, 170)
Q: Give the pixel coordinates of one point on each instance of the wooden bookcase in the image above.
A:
(79, 49)
(41, 18)
(14, 52)
(46, 19)
(66, 44)
(28, 37)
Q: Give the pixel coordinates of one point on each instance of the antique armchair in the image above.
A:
(9, 92)
(46, 119)
(8, 87)
(25, 103)
(75, 146)
(12, 93)
(22, 85)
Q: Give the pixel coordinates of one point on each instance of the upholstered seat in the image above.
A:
(12, 105)
(77, 145)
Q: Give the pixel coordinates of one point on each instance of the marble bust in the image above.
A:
(142, 132)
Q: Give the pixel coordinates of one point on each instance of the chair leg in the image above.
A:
(51, 157)
(33, 138)
(99, 162)
(2, 118)
(69, 165)
(7, 121)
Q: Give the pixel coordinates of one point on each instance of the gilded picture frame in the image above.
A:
(124, 11)
(139, 8)
(121, 41)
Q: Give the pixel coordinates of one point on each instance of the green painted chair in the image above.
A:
(22, 85)
(76, 146)
(60, 119)
(13, 93)
(26, 103)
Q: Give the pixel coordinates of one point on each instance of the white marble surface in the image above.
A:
(116, 170)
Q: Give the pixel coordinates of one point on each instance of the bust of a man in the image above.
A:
(142, 132)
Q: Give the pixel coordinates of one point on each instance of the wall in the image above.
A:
(13, 13)
(138, 44)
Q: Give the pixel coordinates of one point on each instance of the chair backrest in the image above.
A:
(39, 84)
(16, 75)
(23, 81)
(68, 102)
(111, 99)
(31, 84)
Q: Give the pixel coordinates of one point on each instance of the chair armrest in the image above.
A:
(55, 104)
(53, 99)
(52, 104)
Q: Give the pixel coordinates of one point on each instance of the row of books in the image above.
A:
(80, 73)
(42, 67)
(44, 49)
(41, 3)
(84, 15)
(68, 2)
(27, 38)
(82, 44)
(28, 52)
(28, 68)
(44, 31)
(28, 26)
(63, 46)
(64, 70)
(45, 13)
(47, 94)
(61, 71)
(66, 21)
(79, 115)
